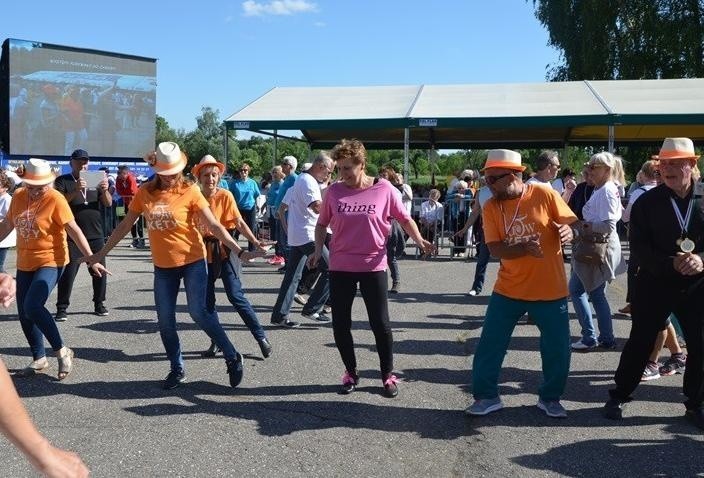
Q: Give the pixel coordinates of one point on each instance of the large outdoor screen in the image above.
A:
(62, 98)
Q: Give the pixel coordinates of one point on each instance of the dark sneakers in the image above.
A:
(60, 316)
(289, 324)
(613, 409)
(174, 379)
(212, 350)
(696, 417)
(235, 369)
(100, 310)
(265, 347)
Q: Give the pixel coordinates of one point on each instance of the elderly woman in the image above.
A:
(431, 214)
(42, 218)
(588, 281)
(171, 205)
(223, 207)
(358, 209)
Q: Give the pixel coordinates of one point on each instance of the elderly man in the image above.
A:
(288, 168)
(85, 204)
(667, 236)
(304, 202)
(524, 226)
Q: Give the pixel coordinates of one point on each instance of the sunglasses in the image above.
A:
(244, 170)
(494, 179)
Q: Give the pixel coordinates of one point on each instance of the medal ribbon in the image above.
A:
(507, 228)
(683, 222)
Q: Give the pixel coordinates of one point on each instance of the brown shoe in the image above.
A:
(626, 309)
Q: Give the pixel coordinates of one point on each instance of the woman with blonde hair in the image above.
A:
(171, 205)
(42, 218)
(588, 280)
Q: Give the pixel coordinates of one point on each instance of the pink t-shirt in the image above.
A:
(360, 224)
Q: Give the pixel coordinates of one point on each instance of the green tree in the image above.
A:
(164, 132)
(207, 138)
(624, 39)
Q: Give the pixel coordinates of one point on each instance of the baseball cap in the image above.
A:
(80, 154)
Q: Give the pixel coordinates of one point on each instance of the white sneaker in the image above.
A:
(472, 293)
(581, 346)
(298, 298)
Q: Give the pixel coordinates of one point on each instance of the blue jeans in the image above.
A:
(580, 300)
(282, 240)
(195, 280)
(235, 294)
(33, 289)
(294, 269)
(483, 257)
(502, 314)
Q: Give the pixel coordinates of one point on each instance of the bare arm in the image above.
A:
(411, 229)
(6, 226)
(16, 425)
(321, 233)
(76, 234)
(117, 234)
(315, 206)
(501, 250)
(219, 231)
(473, 216)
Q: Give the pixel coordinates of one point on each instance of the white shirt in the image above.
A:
(407, 197)
(604, 205)
(431, 212)
(11, 239)
(638, 192)
(301, 218)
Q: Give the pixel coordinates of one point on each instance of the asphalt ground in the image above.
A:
(286, 418)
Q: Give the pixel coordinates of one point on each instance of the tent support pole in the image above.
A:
(227, 149)
(276, 144)
(611, 138)
(406, 169)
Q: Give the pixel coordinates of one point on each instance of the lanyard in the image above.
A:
(507, 228)
(82, 191)
(683, 222)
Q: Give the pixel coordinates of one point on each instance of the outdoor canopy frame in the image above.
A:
(482, 116)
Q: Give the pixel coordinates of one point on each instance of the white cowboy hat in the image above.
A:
(167, 159)
(38, 172)
(676, 148)
(503, 158)
(207, 160)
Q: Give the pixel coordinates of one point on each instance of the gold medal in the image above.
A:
(687, 245)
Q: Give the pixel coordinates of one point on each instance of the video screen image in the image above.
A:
(62, 99)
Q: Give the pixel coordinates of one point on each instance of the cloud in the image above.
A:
(277, 7)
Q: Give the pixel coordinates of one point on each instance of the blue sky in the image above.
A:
(225, 54)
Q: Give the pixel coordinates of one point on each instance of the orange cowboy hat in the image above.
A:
(503, 158)
(207, 160)
(677, 148)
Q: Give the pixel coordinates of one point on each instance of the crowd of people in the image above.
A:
(336, 229)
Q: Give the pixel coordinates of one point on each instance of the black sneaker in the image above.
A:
(174, 379)
(100, 310)
(212, 350)
(395, 287)
(613, 409)
(60, 316)
(265, 347)
(235, 369)
(289, 324)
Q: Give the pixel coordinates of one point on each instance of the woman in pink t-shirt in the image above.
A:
(358, 209)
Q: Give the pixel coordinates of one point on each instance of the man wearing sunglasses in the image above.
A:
(524, 226)
(246, 191)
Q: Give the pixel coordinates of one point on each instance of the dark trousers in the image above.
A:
(372, 285)
(250, 217)
(633, 266)
(69, 275)
(653, 301)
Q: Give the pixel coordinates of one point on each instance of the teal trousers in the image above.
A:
(503, 313)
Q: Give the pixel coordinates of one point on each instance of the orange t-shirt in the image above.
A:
(224, 208)
(41, 237)
(170, 218)
(528, 277)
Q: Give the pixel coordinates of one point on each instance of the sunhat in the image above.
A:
(38, 172)
(676, 148)
(207, 160)
(167, 159)
(503, 158)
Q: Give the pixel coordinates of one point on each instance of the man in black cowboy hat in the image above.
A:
(85, 204)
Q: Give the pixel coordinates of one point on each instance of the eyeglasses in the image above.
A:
(494, 179)
(244, 170)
